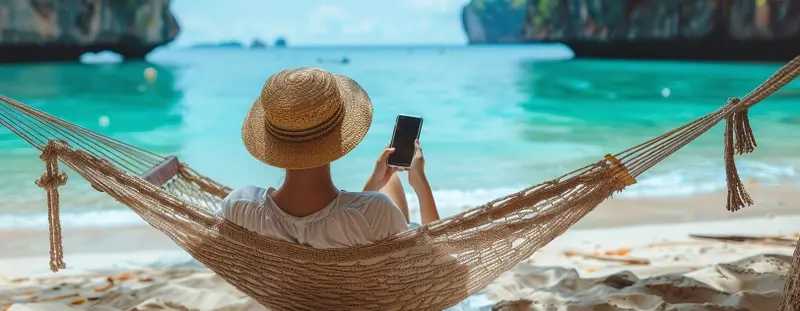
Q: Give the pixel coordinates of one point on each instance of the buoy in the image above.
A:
(150, 74)
(103, 121)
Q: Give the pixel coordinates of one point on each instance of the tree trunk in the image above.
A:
(791, 291)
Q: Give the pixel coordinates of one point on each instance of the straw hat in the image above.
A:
(306, 117)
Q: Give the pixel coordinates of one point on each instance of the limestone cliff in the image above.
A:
(62, 30)
(491, 21)
(682, 29)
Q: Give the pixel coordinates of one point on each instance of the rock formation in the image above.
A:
(493, 21)
(675, 29)
(258, 44)
(280, 42)
(62, 30)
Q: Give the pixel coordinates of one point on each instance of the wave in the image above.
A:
(676, 182)
(704, 178)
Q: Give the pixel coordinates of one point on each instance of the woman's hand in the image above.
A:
(382, 173)
(416, 173)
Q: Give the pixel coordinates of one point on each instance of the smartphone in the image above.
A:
(406, 131)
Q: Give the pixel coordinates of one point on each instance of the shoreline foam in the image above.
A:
(769, 199)
(23, 203)
(132, 233)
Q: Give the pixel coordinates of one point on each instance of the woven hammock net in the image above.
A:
(428, 268)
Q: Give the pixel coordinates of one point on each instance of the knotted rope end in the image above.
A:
(619, 171)
(50, 180)
(739, 139)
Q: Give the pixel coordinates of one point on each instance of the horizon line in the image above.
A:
(359, 45)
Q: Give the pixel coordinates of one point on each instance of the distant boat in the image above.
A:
(280, 42)
(257, 44)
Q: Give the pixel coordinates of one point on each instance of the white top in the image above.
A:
(353, 218)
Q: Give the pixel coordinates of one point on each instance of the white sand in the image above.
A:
(682, 274)
(686, 275)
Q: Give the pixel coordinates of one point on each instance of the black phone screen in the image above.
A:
(406, 131)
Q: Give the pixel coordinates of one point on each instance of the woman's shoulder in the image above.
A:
(247, 193)
(365, 198)
(369, 202)
(240, 202)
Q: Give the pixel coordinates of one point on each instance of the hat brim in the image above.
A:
(343, 138)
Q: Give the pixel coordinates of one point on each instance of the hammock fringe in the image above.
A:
(739, 139)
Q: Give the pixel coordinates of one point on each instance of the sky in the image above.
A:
(321, 22)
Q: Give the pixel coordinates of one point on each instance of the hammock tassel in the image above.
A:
(745, 140)
(739, 139)
(50, 181)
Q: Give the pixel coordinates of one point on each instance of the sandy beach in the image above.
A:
(627, 255)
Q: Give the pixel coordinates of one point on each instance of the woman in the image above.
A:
(303, 120)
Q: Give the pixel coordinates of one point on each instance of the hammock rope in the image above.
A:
(428, 268)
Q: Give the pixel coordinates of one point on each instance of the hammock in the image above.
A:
(428, 268)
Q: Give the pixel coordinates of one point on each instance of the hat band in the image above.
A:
(307, 134)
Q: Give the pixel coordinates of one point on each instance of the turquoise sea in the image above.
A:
(496, 118)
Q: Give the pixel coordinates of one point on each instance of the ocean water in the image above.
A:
(497, 119)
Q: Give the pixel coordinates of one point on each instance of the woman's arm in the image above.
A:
(418, 181)
(382, 172)
(427, 204)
